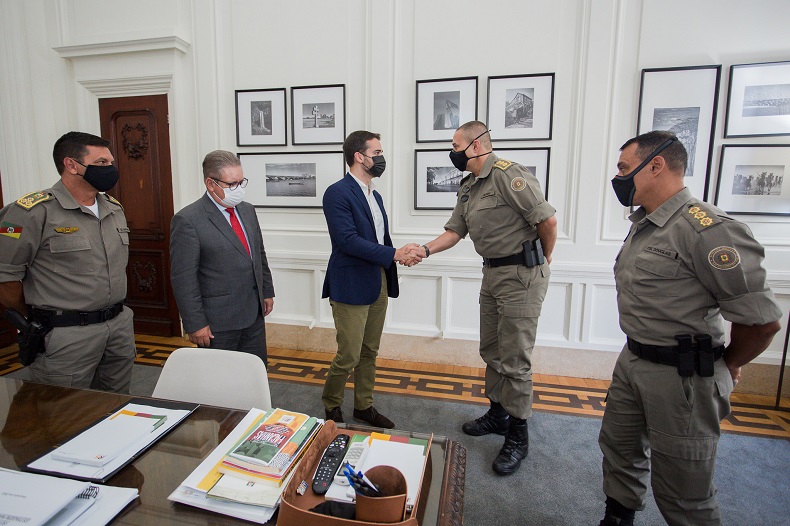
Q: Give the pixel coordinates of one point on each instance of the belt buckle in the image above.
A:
(83, 318)
(107, 313)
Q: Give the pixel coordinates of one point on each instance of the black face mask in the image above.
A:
(624, 187)
(102, 178)
(379, 165)
(459, 159)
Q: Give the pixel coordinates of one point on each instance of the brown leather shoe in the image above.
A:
(335, 414)
(373, 417)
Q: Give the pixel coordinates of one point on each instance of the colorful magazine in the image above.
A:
(264, 443)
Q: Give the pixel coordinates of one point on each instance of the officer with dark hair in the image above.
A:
(63, 255)
(684, 268)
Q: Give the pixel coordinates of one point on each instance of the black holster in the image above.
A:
(30, 338)
(533, 253)
(685, 355)
(704, 355)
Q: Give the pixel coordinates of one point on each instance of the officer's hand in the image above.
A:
(268, 305)
(201, 337)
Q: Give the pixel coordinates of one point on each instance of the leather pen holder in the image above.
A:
(391, 507)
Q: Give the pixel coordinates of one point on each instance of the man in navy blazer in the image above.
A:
(218, 267)
(361, 275)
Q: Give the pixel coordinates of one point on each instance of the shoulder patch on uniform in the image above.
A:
(518, 183)
(113, 200)
(724, 258)
(700, 216)
(33, 198)
(503, 164)
(10, 230)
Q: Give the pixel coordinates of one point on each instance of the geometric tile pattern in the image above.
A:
(751, 414)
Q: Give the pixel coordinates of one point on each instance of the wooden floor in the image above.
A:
(751, 414)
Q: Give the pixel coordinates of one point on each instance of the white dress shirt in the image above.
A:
(378, 216)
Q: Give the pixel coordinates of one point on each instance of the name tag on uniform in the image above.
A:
(124, 229)
(662, 252)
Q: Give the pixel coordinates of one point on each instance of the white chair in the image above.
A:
(215, 377)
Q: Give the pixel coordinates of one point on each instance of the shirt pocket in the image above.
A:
(124, 233)
(71, 255)
(656, 275)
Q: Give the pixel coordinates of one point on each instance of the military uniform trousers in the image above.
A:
(96, 356)
(660, 424)
(510, 300)
(359, 329)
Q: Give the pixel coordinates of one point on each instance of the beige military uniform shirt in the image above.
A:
(66, 257)
(684, 269)
(499, 208)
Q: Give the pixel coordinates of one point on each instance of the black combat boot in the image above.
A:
(515, 448)
(617, 514)
(494, 421)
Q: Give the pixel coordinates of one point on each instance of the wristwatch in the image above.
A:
(427, 252)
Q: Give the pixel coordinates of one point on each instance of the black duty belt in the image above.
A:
(515, 259)
(688, 356)
(530, 256)
(70, 318)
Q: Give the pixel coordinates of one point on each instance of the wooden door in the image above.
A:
(137, 128)
(7, 331)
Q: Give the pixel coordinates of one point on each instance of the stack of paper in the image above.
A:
(103, 449)
(255, 500)
(31, 499)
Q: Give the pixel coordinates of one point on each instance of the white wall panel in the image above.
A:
(416, 311)
(294, 299)
(604, 328)
(554, 321)
(463, 308)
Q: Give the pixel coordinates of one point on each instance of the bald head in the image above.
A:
(476, 130)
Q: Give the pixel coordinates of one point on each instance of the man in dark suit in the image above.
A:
(361, 275)
(218, 268)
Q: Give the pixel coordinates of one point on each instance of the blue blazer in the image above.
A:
(353, 275)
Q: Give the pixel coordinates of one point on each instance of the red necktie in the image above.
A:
(236, 226)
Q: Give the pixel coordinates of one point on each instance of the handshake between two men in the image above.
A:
(410, 254)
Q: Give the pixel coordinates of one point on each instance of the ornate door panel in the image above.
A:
(137, 127)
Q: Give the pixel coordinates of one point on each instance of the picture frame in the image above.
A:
(437, 181)
(751, 179)
(443, 105)
(521, 107)
(260, 117)
(684, 100)
(290, 179)
(758, 100)
(318, 114)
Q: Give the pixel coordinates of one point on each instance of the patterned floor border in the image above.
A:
(751, 415)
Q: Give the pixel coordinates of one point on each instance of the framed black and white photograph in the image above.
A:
(318, 114)
(535, 159)
(443, 105)
(751, 179)
(684, 101)
(260, 117)
(758, 101)
(290, 180)
(437, 181)
(520, 107)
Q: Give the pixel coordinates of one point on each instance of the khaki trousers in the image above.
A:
(661, 428)
(510, 303)
(359, 329)
(96, 356)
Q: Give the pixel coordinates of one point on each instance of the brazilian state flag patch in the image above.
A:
(10, 230)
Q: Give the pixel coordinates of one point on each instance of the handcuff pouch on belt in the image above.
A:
(533, 253)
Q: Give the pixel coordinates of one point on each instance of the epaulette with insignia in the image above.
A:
(113, 200)
(700, 216)
(503, 164)
(33, 198)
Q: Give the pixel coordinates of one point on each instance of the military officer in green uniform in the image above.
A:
(501, 206)
(684, 268)
(63, 255)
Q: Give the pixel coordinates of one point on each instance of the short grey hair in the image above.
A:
(216, 161)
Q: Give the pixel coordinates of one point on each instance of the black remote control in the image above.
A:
(329, 464)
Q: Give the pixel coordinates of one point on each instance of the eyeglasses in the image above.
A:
(231, 186)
